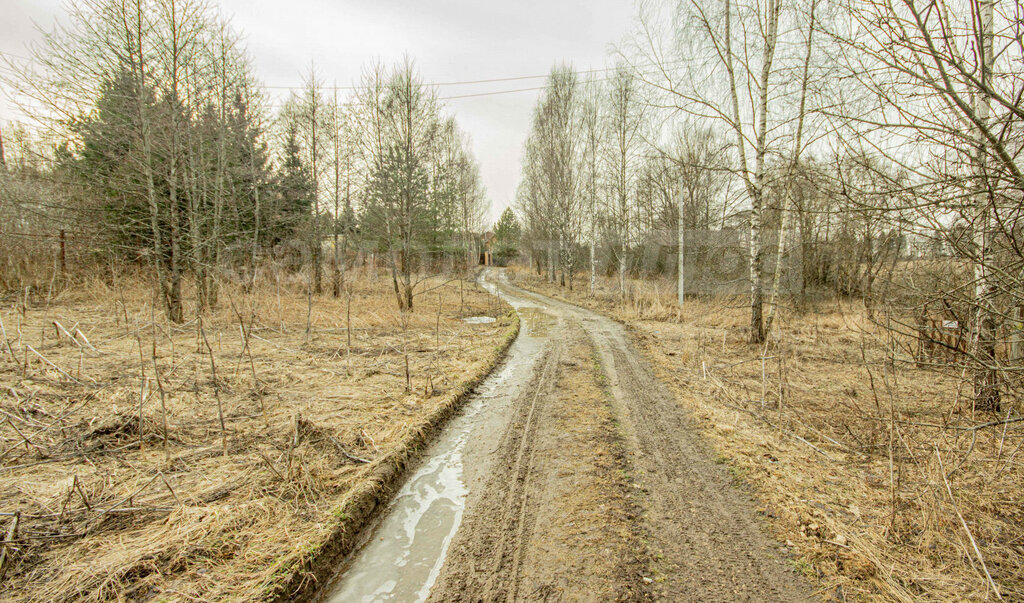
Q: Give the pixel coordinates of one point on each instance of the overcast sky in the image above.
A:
(450, 40)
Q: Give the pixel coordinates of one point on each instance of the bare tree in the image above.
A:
(624, 141)
(343, 164)
(938, 96)
(399, 118)
(794, 160)
(313, 121)
(717, 62)
(700, 173)
(551, 189)
(590, 131)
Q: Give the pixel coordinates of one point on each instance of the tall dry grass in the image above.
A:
(251, 436)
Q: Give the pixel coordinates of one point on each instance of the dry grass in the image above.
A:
(113, 507)
(848, 444)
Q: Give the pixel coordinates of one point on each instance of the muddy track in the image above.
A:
(703, 539)
(554, 517)
(516, 520)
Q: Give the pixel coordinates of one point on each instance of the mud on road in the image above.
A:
(555, 518)
(598, 488)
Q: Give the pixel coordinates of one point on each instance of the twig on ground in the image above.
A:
(346, 453)
(55, 367)
(12, 533)
(216, 388)
(168, 484)
(62, 332)
(85, 340)
(271, 465)
(128, 498)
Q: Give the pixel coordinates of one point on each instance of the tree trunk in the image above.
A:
(551, 261)
(986, 376)
(681, 253)
(174, 303)
(563, 259)
(394, 278)
(256, 222)
(338, 258)
(593, 266)
(757, 190)
(622, 271)
(794, 162)
(336, 280)
(756, 290)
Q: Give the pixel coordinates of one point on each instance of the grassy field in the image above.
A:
(867, 467)
(218, 459)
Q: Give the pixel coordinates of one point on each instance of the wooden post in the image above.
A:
(681, 253)
(922, 337)
(63, 255)
(1016, 335)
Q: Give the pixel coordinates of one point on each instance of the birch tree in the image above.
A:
(717, 61)
(624, 139)
(938, 94)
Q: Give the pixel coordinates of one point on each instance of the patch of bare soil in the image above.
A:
(215, 460)
(556, 519)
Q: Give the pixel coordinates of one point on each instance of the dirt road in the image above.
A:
(597, 487)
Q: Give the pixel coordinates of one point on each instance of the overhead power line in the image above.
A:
(490, 93)
(469, 82)
(481, 81)
(455, 83)
(450, 83)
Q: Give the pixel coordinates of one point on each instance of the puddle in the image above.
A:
(479, 320)
(403, 556)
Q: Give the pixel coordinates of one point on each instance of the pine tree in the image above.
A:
(507, 233)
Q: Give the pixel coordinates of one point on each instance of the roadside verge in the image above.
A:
(300, 575)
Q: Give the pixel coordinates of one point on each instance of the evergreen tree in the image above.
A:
(507, 233)
(294, 198)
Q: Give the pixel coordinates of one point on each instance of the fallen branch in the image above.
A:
(57, 368)
(271, 465)
(725, 390)
(61, 331)
(78, 486)
(168, 484)
(346, 453)
(85, 340)
(28, 442)
(129, 497)
(773, 426)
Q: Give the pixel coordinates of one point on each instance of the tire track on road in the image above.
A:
(706, 541)
(487, 566)
(516, 517)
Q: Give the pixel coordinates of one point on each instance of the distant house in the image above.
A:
(486, 253)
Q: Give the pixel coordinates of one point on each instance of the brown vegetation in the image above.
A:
(253, 445)
(872, 469)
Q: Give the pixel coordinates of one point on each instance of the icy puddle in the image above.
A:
(403, 555)
(479, 320)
